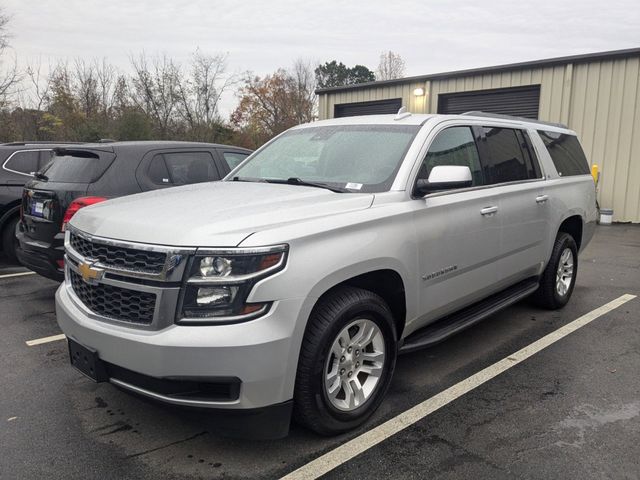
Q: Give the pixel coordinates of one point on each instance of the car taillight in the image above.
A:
(76, 205)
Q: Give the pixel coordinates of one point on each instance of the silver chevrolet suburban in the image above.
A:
(289, 288)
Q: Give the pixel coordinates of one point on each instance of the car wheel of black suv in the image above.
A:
(9, 241)
(559, 277)
(346, 361)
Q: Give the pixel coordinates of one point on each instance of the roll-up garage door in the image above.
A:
(518, 101)
(367, 108)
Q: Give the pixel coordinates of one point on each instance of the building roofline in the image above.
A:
(548, 62)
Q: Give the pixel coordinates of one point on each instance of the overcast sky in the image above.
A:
(260, 36)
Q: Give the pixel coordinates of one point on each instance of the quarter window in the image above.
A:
(453, 146)
(234, 159)
(506, 161)
(566, 153)
(25, 162)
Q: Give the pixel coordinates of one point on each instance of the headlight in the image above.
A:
(220, 281)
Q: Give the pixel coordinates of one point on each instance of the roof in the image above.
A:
(584, 58)
(412, 119)
(421, 118)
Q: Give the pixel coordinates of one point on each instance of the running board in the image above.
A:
(468, 316)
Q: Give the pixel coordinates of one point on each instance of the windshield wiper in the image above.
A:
(40, 176)
(304, 183)
(248, 179)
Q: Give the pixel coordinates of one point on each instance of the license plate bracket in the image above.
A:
(87, 362)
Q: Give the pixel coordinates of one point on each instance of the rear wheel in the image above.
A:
(346, 361)
(9, 240)
(559, 277)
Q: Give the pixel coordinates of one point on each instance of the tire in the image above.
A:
(9, 242)
(551, 294)
(366, 314)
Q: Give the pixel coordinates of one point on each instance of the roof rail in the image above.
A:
(477, 113)
(39, 142)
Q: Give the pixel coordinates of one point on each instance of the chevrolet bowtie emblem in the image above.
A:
(89, 273)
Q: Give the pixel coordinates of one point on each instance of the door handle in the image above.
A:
(489, 210)
(542, 198)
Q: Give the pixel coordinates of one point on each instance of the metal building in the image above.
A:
(597, 95)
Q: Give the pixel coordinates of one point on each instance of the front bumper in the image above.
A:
(262, 354)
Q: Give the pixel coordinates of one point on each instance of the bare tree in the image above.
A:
(305, 85)
(391, 66)
(200, 93)
(107, 84)
(9, 73)
(155, 89)
(85, 87)
(39, 86)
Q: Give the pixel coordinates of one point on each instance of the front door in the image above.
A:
(458, 231)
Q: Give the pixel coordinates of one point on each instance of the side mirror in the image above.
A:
(444, 177)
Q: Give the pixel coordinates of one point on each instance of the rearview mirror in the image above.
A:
(444, 177)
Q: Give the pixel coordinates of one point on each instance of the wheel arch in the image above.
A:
(574, 226)
(384, 280)
(12, 211)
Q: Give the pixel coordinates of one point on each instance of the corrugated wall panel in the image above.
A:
(600, 100)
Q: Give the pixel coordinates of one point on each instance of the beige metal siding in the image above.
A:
(600, 100)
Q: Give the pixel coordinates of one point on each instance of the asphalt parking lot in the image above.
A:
(571, 410)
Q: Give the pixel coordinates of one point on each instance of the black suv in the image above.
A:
(18, 161)
(78, 176)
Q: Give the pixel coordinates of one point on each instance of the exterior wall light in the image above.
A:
(418, 92)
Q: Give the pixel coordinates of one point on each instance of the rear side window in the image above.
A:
(25, 162)
(453, 146)
(234, 159)
(191, 167)
(77, 167)
(506, 160)
(158, 172)
(566, 153)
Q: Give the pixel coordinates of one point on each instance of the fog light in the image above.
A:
(215, 295)
(215, 267)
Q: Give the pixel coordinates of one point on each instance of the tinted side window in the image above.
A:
(505, 158)
(453, 146)
(24, 162)
(191, 167)
(566, 153)
(233, 159)
(158, 172)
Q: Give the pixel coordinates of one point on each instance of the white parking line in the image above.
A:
(356, 446)
(19, 274)
(40, 341)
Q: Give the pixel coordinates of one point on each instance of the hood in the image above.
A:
(218, 214)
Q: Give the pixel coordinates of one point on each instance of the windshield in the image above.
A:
(360, 158)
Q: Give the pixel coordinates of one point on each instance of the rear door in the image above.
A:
(458, 230)
(523, 213)
(170, 168)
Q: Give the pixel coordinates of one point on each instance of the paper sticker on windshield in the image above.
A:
(354, 186)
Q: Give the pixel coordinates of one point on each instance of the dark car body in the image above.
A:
(93, 172)
(18, 161)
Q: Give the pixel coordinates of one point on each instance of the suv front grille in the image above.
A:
(114, 302)
(119, 257)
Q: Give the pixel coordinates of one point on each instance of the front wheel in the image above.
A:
(559, 277)
(346, 362)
